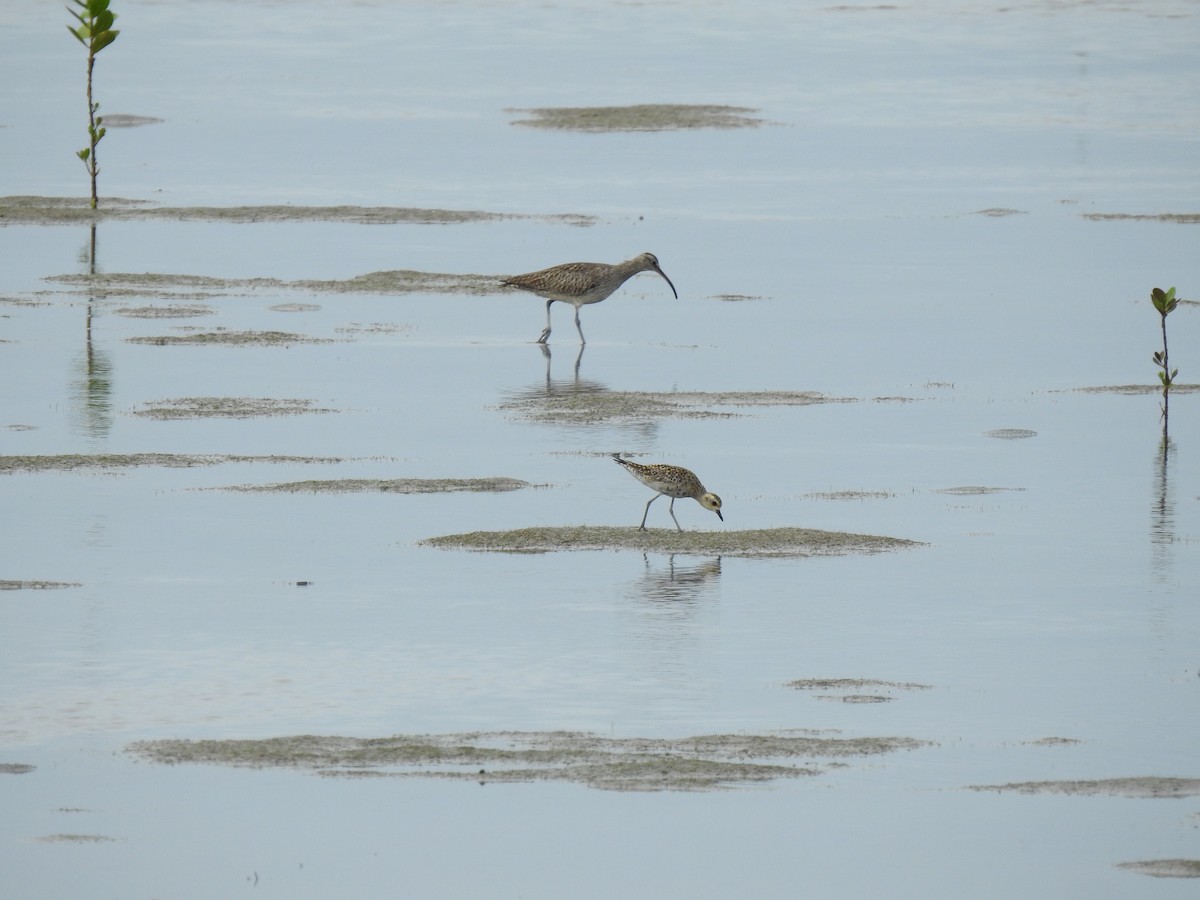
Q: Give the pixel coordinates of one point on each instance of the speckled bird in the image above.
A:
(581, 283)
(673, 482)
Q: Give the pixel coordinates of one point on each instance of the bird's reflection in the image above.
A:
(576, 401)
(549, 357)
(679, 582)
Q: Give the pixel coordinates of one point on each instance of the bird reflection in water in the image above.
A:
(679, 582)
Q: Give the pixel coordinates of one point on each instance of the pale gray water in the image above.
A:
(1063, 605)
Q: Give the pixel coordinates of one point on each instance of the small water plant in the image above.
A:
(95, 31)
(1165, 303)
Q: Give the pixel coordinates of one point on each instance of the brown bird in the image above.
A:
(673, 482)
(581, 283)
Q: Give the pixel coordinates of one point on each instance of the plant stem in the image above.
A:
(92, 168)
(1166, 363)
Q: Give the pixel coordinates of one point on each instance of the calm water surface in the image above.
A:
(1061, 602)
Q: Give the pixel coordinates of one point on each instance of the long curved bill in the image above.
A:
(668, 280)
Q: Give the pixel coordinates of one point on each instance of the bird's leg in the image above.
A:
(671, 509)
(647, 512)
(546, 332)
(579, 327)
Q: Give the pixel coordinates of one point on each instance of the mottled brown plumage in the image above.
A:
(671, 481)
(581, 283)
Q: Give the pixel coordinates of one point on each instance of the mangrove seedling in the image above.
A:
(95, 32)
(1165, 303)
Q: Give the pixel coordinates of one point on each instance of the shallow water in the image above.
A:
(1054, 596)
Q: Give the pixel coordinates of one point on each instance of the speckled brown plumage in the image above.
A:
(671, 481)
(581, 283)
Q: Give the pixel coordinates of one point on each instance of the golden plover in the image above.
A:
(673, 482)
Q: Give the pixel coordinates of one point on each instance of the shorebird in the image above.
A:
(673, 482)
(581, 283)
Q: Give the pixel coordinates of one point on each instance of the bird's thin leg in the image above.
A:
(579, 327)
(546, 332)
(647, 512)
(671, 509)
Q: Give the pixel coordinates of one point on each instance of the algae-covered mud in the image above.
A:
(224, 338)
(1164, 868)
(387, 486)
(705, 762)
(1010, 434)
(1177, 218)
(16, 585)
(855, 690)
(28, 210)
(642, 117)
(1153, 786)
(1136, 390)
(853, 684)
(174, 311)
(78, 462)
(588, 404)
(226, 408)
(398, 281)
(74, 839)
(768, 542)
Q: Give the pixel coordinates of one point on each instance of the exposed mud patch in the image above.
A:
(389, 283)
(164, 312)
(853, 684)
(850, 495)
(999, 212)
(28, 210)
(973, 489)
(295, 307)
(706, 762)
(226, 408)
(1052, 742)
(643, 117)
(72, 462)
(125, 120)
(1141, 788)
(16, 768)
(223, 338)
(735, 298)
(386, 486)
(1138, 389)
(74, 839)
(1010, 434)
(1164, 868)
(12, 585)
(771, 542)
(590, 404)
(373, 328)
(1178, 218)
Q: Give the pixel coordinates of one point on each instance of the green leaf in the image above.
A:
(102, 40)
(80, 34)
(1164, 301)
(104, 21)
(84, 154)
(95, 7)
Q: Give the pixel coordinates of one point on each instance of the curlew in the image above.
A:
(674, 482)
(581, 283)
